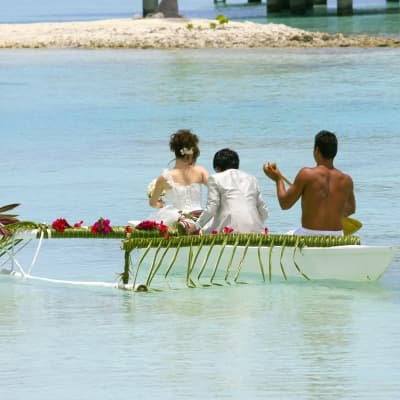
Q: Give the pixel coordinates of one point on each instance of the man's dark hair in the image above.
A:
(225, 159)
(327, 144)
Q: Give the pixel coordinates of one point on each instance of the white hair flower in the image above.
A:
(186, 152)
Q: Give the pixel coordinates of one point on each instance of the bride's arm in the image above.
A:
(204, 175)
(161, 185)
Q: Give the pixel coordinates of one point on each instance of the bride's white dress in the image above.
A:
(180, 198)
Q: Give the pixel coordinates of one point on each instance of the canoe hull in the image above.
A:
(350, 263)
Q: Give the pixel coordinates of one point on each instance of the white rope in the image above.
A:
(37, 252)
(21, 246)
(15, 262)
(27, 236)
(75, 283)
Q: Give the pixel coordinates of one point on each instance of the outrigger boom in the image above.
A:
(215, 259)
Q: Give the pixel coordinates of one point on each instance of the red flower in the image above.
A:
(60, 224)
(78, 224)
(149, 225)
(128, 229)
(214, 232)
(228, 230)
(266, 230)
(163, 229)
(144, 225)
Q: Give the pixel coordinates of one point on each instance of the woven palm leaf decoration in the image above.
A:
(224, 243)
(162, 252)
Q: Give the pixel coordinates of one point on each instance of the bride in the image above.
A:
(180, 185)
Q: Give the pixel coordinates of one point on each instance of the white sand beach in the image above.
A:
(162, 33)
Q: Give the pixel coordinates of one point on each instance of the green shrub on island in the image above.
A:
(213, 25)
(189, 26)
(222, 19)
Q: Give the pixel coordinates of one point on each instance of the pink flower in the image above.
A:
(101, 226)
(106, 226)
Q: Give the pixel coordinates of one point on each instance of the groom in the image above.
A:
(234, 198)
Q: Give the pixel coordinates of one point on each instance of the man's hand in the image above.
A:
(272, 171)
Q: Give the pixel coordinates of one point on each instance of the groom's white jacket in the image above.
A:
(234, 200)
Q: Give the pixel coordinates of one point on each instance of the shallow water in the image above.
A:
(91, 122)
(292, 341)
(83, 132)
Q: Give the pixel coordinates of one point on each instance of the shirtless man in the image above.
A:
(326, 193)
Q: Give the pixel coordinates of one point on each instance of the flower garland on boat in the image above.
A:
(101, 226)
(157, 235)
(140, 235)
(60, 224)
(146, 228)
(182, 227)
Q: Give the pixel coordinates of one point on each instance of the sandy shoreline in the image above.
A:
(160, 33)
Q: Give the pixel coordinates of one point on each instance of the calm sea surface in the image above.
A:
(84, 131)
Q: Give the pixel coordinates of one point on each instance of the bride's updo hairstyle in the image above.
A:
(184, 144)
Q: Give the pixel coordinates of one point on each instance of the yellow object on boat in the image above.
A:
(351, 225)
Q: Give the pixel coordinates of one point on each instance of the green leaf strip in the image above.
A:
(221, 251)
(173, 260)
(189, 264)
(140, 261)
(280, 261)
(205, 260)
(151, 276)
(153, 264)
(260, 261)
(231, 260)
(127, 264)
(242, 239)
(270, 262)
(241, 261)
(196, 256)
(296, 265)
(8, 207)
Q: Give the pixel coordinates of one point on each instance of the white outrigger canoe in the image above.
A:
(217, 259)
(210, 259)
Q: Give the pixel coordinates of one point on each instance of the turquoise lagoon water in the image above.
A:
(84, 131)
(82, 134)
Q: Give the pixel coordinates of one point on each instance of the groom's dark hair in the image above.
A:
(226, 159)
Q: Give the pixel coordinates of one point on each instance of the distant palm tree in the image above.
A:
(169, 8)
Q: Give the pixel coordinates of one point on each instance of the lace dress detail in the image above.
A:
(184, 198)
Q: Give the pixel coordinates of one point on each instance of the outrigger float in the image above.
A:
(204, 260)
